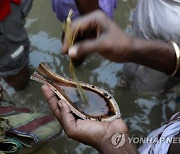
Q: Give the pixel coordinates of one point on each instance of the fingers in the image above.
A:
(49, 94)
(61, 110)
(85, 48)
(84, 24)
(52, 100)
(67, 119)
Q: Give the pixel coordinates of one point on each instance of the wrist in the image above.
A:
(130, 49)
(157, 54)
(117, 143)
(135, 48)
(115, 140)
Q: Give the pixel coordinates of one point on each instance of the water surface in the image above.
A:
(142, 112)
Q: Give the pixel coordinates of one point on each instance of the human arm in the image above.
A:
(86, 6)
(94, 133)
(112, 43)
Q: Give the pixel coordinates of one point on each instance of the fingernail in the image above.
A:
(60, 104)
(73, 51)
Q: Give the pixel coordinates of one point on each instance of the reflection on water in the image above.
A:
(96, 105)
(141, 112)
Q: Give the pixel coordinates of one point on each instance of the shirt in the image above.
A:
(159, 140)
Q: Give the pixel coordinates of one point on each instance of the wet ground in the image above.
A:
(142, 112)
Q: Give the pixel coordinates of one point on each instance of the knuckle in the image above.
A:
(101, 15)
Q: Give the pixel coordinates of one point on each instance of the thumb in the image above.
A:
(67, 119)
(84, 48)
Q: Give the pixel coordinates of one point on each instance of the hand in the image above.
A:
(94, 133)
(102, 36)
(1, 90)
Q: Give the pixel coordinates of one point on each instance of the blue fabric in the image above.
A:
(62, 7)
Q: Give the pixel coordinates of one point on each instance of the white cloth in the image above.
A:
(157, 19)
(162, 137)
(153, 20)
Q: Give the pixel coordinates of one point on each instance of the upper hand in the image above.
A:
(94, 133)
(101, 36)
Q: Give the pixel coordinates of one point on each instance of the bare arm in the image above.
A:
(155, 54)
(114, 44)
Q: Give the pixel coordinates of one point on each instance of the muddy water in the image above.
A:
(142, 112)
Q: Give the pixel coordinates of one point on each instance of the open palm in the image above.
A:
(94, 133)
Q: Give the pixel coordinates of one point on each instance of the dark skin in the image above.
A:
(94, 133)
(20, 80)
(112, 43)
(155, 54)
(86, 6)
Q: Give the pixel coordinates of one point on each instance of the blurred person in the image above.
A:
(153, 20)
(81, 7)
(14, 42)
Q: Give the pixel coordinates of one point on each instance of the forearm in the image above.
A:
(155, 54)
(87, 6)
